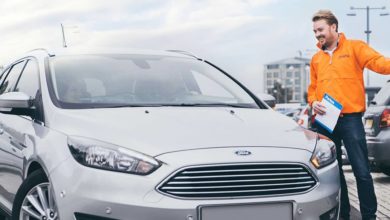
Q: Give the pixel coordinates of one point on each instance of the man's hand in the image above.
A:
(318, 108)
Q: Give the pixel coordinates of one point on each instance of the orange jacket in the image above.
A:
(341, 75)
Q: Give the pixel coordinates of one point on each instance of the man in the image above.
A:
(337, 70)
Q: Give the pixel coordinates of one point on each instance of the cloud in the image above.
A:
(150, 24)
(214, 29)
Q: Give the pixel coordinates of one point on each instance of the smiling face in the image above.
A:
(326, 34)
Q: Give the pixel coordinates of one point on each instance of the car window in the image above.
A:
(209, 86)
(9, 83)
(115, 80)
(29, 80)
(4, 74)
(383, 96)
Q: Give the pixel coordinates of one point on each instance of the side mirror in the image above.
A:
(268, 99)
(15, 100)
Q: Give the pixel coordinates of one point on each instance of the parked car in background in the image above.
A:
(136, 134)
(267, 98)
(303, 117)
(344, 155)
(288, 109)
(371, 91)
(377, 127)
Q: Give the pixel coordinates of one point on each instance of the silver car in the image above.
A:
(377, 127)
(141, 135)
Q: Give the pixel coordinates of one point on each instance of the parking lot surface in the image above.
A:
(382, 190)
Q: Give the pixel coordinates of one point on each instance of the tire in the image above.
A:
(2, 217)
(386, 170)
(32, 196)
(374, 167)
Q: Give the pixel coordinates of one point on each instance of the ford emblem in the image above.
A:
(243, 152)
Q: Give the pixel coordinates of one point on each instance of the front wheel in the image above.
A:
(34, 199)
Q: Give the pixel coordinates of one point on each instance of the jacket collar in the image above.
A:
(340, 41)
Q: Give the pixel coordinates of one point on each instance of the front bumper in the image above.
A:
(113, 195)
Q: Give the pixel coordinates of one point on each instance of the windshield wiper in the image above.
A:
(132, 105)
(180, 105)
(210, 105)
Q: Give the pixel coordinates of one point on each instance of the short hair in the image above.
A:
(326, 15)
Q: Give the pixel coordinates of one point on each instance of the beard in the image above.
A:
(327, 39)
(323, 41)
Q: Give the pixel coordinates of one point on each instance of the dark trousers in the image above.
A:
(350, 130)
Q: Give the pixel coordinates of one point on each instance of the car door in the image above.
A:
(17, 138)
(9, 174)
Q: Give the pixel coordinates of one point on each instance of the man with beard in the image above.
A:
(337, 70)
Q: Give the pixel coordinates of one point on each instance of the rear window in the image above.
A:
(383, 96)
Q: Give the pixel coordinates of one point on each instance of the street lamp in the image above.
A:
(368, 31)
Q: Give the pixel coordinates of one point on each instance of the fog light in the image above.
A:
(331, 214)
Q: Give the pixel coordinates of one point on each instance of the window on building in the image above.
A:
(297, 66)
(289, 74)
(297, 74)
(276, 74)
(293, 66)
(269, 75)
(273, 66)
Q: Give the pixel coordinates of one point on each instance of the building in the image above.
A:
(287, 80)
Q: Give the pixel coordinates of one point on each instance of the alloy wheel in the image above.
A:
(39, 204)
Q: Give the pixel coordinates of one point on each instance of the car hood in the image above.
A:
(158, 130)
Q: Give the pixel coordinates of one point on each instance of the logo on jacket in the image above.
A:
(344, 56)
(243, 153)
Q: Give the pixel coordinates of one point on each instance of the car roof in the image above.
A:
(373, 88)
(382, 97)
(51, 52)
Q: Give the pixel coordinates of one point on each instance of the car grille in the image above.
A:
(238, 180)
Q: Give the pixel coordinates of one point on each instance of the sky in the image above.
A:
(240, 36)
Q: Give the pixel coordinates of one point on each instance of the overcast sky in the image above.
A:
(240, 36)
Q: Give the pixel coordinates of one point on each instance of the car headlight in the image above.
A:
(101, 155)
(324, 154)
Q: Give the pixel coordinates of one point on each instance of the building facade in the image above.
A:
(287, 80)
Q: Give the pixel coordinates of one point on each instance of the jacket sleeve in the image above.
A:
(311, 93)
(371, 59)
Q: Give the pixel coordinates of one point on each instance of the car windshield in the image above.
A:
(104, 81)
